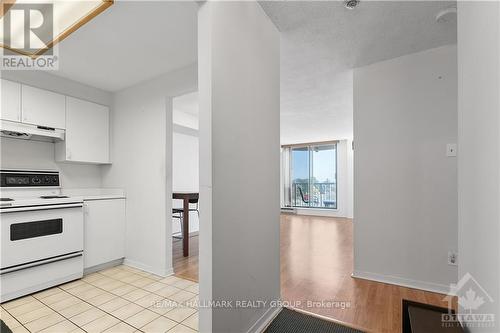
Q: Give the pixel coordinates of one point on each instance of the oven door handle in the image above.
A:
(41, 262)
(33, 208)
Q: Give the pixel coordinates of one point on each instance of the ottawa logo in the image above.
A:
(471, 297)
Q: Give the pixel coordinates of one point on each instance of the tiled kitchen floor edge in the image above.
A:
(118, 299)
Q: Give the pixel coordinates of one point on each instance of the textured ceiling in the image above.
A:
(130, 42)
(322, 41)
(320, 44)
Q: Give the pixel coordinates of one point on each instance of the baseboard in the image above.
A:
(101, 267)
(403, 282)
(321, 212)
(149, 269)
(261, 324)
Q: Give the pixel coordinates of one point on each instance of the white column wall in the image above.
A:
(479, 151)
(239, 163)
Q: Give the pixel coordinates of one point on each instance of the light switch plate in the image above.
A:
(451, 149)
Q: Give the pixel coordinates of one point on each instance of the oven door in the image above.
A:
(36, 234)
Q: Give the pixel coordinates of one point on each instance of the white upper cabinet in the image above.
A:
(87, 133)
(11, 100)
(43, 108)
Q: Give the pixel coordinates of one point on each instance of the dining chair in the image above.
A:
(195, 200)
(177, 214)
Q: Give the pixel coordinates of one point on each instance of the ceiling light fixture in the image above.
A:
(34, 26)
(351, 4)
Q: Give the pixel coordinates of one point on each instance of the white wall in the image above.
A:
(479, 149)
(350, 179)
(185, 171)
(31, 154)
(142, 124)
(405, 188)
(239, 163)
(185, 119)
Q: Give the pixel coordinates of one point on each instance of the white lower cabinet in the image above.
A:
(104, 225)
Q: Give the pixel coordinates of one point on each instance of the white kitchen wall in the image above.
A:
(29, 154)
(405, 187)
(141, 143)
(479, 152)
(239, 163)
(185, 171)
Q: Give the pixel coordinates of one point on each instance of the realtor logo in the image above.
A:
(27, 28)
(471, 298)
(27, 32)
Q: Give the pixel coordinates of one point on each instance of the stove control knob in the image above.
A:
(36, 180)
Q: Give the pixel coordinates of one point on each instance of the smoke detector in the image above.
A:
(351, 4)
(447, 15)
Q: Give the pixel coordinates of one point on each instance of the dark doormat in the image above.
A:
(289, 321)
(4, 328)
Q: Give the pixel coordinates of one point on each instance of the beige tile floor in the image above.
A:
(115, 300)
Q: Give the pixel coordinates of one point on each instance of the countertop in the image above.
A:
(88, 194)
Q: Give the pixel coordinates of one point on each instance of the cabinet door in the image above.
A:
(87, 131)
(43, 108)
(11, 100)
(104, 239)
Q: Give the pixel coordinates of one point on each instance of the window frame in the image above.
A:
(309, 146)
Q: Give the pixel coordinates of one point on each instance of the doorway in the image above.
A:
(185, 181)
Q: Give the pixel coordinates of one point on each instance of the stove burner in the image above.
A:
(6, 199)
(53, 196)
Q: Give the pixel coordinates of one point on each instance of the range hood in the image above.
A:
(23, 131)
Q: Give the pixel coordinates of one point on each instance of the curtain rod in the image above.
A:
(318, 143)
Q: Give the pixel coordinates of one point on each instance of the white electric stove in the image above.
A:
(41, 233)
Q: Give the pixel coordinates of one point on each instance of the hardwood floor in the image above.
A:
(316, 265)
(186, 267)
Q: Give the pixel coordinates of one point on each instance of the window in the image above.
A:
(310, 176)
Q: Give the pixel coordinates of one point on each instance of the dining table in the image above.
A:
(185, 196)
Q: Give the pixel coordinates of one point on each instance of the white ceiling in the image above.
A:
(320, 44)
(130, 42)
(322, 41)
